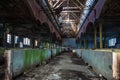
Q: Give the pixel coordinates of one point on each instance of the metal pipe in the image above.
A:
(70, 8)
(70, 11)
(53, 19)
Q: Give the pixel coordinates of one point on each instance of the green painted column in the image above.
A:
(100, 34)
(13, 40)
(5, 36)
(80, 43)
(95, 37)
(82, 40)
(13, 37)
(41, 44)
(38, 43)
(33, 42)
(85, 41)
(105, 46)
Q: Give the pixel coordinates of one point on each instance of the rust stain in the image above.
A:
(8, 72)
(116, 65)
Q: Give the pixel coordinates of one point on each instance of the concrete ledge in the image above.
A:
(116, 65)
(53, 52)
(2, 51)
(78, 52)
(19, 60)
(104, 62)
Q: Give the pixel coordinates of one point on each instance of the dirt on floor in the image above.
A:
(63, 67)
(2, 68)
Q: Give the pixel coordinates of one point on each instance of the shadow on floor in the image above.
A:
(71, 74)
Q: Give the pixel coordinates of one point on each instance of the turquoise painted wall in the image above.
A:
(101, 61)
(78, 52)
(70, 42)
(23, 59)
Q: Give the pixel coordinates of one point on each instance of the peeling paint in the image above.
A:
(116, 65)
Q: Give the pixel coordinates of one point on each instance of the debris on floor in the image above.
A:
(62, 67)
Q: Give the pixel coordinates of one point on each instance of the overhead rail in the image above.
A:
(91, 16)
(50, 13)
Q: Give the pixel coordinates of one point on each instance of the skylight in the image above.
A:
(88, 5)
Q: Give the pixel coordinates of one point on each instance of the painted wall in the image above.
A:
(101, 61)
(104, 61)
(17, 61)
(70, 42)
(78, 52)
(23, 59)
(90, 42)
(1, 51)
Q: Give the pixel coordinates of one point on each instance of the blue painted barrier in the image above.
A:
(78, 52)
(17, 61)
(23, 59)
(106, 63)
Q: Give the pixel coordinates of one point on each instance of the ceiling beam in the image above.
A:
(56, 3)
(75, 16)
(69, 20)
(76, 4)
(70, 11)
(64, 8)
(59, 4)
(80, 3)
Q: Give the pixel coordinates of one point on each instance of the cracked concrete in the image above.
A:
(62, 67)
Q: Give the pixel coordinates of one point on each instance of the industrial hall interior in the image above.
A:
(59, 39)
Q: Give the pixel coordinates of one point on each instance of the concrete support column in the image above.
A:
(100, 33)
(105, 40)
(85, 42)
(61, 43)
(77, 43)
(41, 44)
(13, 37)
(38, 43)
(33, 42)
(13, 40)
(21, 41)
(82, 41)
(51, 40)
(2, 30)
(4, 36)
(95, 37)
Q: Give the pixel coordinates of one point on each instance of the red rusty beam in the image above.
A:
(95, 13)
(53, 30)
(40, 15)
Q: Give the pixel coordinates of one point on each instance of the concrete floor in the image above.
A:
(62, 67)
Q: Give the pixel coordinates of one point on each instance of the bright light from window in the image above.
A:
(9, 38)
(21, 45)
(36, 43)
(112, 42)
(88, 4)
(26, 41)
(16, 39)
